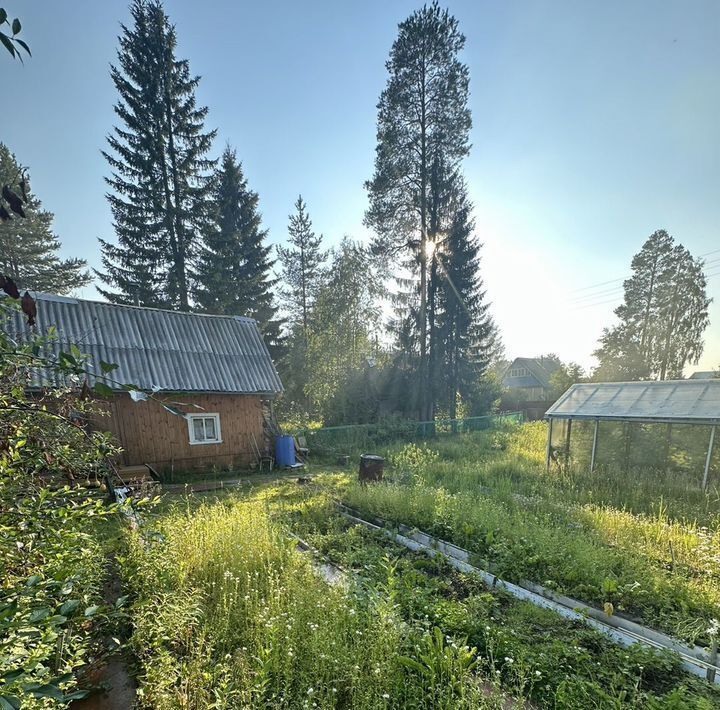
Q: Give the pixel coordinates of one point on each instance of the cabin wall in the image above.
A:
(150, 434)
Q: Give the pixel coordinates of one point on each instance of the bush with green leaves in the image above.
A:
(52, 563)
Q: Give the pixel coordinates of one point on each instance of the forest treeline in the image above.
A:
(189, 235)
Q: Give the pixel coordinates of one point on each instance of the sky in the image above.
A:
(594, 124)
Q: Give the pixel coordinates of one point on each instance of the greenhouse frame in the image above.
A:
(668, 402)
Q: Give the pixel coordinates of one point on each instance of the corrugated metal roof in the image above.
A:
(159, 349)
(689, 401)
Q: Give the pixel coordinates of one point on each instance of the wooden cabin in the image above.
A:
(189, 390)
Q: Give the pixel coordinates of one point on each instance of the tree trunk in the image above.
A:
(646, 315)
(371, 468)
(180, 258)
(303, 292)
(423, 379)
(432, 354)
(668, 334)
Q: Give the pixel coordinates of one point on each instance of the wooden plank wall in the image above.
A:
(150, 434)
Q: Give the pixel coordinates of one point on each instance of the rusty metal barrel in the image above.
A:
(371, 468)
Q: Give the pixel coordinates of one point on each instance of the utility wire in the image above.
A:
(609, 292)
(599, 303)
(581, 304)
(602, 283)
(613, 281)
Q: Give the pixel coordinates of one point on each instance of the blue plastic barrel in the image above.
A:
(284, 451)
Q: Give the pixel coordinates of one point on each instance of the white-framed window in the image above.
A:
(204, 428)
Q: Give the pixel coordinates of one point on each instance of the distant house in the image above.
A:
(528, 378)
(204, 383)
(526, 383)
(704, 375)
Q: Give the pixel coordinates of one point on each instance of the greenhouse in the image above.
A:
(657, 424)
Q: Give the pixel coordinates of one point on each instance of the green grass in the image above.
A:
(512, 461)
(229, 614)
(490, 493)
(572, 554)
(533, 653)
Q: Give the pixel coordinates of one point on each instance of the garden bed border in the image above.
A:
(696, 660)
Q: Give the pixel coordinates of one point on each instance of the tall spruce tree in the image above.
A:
(28, 247)
(662, 318)
(302, 266)
(466, 333)
(302, 271)
(234, 266)
(422, 137)
(159, 167)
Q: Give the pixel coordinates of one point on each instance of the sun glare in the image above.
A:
(429, 249)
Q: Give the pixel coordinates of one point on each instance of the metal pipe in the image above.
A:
(709, 457)
(594, 448)
(567, 442)
(549, 445)
(628, 436)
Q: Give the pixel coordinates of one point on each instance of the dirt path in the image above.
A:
(116, 688)
(208, 486)
(119, 688)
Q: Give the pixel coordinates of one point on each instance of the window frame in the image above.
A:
(519, 372)
(191, 428)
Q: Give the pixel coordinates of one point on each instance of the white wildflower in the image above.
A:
(714, 629)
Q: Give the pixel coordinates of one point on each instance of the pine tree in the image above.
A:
(662, 318)
(159, 180)
(422, 136)
(234, 266)
(683, 315)
(28, 247)
(302, 266)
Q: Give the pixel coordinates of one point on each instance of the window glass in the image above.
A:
(204, 429)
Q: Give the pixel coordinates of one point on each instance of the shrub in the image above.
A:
(51, 557)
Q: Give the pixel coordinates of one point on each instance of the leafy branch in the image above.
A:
(12, 42)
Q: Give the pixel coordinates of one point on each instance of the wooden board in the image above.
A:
(150, 434)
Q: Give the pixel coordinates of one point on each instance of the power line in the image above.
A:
(603, 283)
(578, 304)
(612, 281)
(597, 294)
(592, 305)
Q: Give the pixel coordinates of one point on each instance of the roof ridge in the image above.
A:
(57, 298)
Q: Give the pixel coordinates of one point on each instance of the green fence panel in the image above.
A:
(356, 437)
